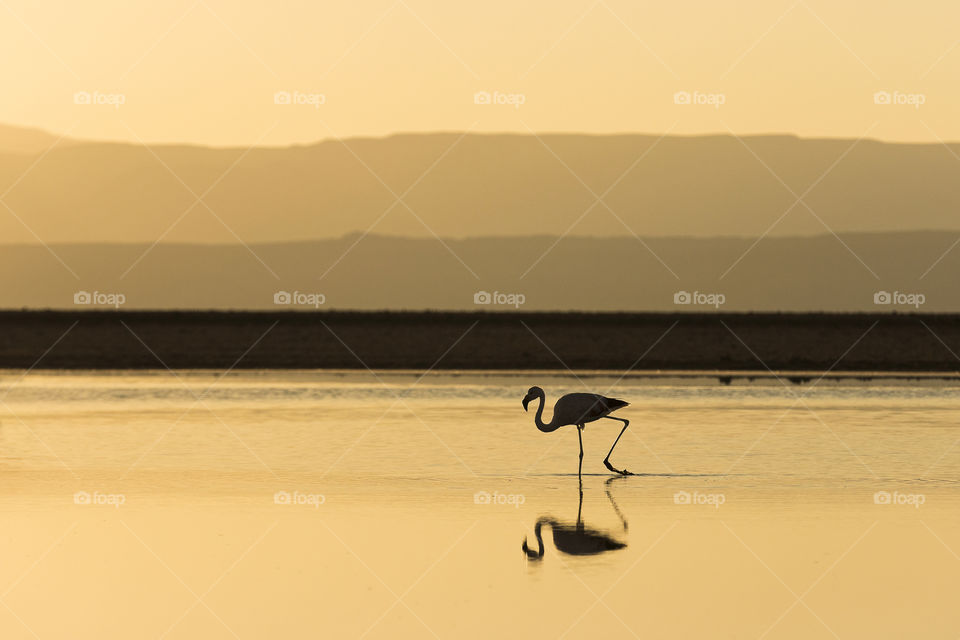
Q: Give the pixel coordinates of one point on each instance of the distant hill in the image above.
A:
(613, 274)
(29, 141)
(479, 185)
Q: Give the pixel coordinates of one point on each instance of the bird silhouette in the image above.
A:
(575, 539)
(578, 409)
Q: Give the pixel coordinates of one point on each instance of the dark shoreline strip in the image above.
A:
(724, 344)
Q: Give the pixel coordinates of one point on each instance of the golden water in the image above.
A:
(307, 505)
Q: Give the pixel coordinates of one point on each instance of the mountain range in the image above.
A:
(455, 185)
(819, 273)
(428, 221)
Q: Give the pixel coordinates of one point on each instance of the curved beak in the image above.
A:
(527, 400)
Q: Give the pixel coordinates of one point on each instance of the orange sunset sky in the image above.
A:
(207, 71)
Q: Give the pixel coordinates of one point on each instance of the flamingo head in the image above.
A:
(534, 392)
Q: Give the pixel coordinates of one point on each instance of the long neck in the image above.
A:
(545, 427)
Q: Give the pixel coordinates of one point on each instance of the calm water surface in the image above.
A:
(306, 504)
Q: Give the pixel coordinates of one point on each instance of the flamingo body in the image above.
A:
(581, 408)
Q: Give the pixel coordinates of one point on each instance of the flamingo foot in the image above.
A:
(624, 472)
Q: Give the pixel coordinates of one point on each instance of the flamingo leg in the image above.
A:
(580, 510)
(580, 438)
(606, 461)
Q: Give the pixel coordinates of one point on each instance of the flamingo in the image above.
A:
(579, 409)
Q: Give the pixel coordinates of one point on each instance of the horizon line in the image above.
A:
(63, 139)
(500, 238)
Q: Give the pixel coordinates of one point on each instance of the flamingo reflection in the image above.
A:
(576, 539)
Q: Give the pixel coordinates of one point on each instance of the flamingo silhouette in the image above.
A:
(579, 409)
(578, 539)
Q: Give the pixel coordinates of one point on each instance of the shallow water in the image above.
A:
(305, 504)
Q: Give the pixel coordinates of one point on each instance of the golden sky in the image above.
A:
(208, 71)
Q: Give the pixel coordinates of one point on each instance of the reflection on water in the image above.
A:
(576, 539)
(304, 505)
